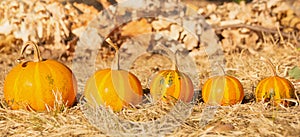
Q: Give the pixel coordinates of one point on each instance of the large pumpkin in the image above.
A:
(171, 85)
(39, 84)
(113, 88)
(274, 88)
(222, 90)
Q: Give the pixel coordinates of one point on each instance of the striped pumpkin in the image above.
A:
(171, 85)
(274, 88)
(222, 90)
(113, 88)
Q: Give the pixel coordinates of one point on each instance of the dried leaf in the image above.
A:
(160, 24)
(136, 27)
(295, 72)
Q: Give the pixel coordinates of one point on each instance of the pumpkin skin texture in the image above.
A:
(170, 85)
(113, 88)
(222, 90)
(34, 85)
(275, 88)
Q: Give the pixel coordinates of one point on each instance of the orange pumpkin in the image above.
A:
(222, 90)
(274, 88)
(37, 84)
(170, 85)
(113, 88)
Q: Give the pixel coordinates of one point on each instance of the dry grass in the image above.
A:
(247, 119)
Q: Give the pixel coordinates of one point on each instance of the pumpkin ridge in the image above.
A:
(164, 76)
(177, 83)
(37, 86)
(265, 90)
(183, 81)
(286, 86)
(121, 89)
(236, 84)
(47, 94)
(91, 90)
(213, 94)
(278, 89)
(258, 90)
(15, 88)
(118, 90)
(56, 74)
(227, 87)
(135, 87)
(206, 88)
(23, 93)
(292, 89)
(99, 87)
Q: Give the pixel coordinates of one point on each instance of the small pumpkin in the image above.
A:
(171, 85)
(37, 84)
(222, 90)
(274, 88)
(113, 88)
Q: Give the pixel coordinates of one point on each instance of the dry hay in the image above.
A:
(247, 119)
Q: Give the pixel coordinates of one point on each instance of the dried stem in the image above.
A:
(37, 53)
(268, 61)
(108, 40)
(175, 63)
(223, 71)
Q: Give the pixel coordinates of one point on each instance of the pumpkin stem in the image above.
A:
(223, 71)
(174, 66)
(109, 41)
(268, 61)
(37, 53)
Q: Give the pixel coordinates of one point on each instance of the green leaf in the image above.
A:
(295, 72)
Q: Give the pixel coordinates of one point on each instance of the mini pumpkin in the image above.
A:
(222, 90)
(39, 83)
(113, 88)
(171, 85)
(274, 88)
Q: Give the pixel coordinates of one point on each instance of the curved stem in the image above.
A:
(37, 53)
(268, 61)
(108, 40)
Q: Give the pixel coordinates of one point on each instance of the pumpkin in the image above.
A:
(113, 88)
(38, 84)
(274, 88)
(171, 85)
(222, 90)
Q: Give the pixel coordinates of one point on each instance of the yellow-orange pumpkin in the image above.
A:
(113, 88)
(274, 88)
(170, 85)
(37, 84)
(222, 90)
